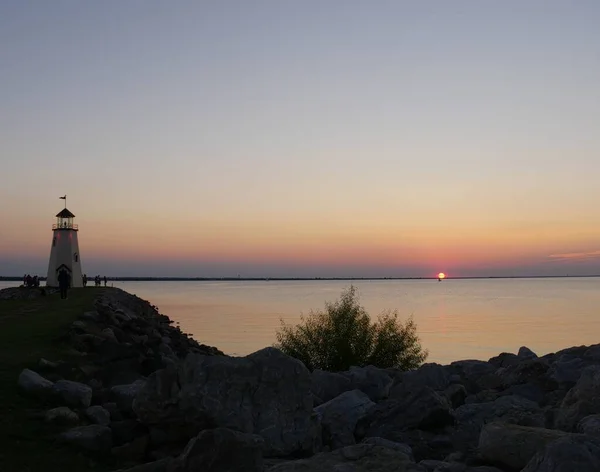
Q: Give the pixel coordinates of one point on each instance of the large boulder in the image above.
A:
(32, 383)
(123, 395)
(512, 445)
(74, 394)
(357, 458)
(513, 409)
(573, 453)
(61, 415)
(92, 438)
(328, 385)
(590, 425)
(582, 400)
(340, 415)
(418, 408)
(221, 450)
(266, 393)
(434, 376)
(472, 372)
(375, 382)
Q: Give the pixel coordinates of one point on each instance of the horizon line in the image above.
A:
(241, 279)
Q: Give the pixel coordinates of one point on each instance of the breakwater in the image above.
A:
(138, 389)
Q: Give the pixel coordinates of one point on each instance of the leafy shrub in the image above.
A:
(343, 336)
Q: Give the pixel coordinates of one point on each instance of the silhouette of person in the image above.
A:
(64, 281)
(105, 280)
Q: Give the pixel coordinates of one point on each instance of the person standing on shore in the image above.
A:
(105, 280)
(64, 280)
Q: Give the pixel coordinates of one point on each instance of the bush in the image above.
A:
(343, 336)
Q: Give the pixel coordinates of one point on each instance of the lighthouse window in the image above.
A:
(76, 257)
(54, 241)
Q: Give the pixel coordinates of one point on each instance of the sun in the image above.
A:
(441, 275)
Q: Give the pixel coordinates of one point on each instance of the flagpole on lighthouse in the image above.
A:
(65, 199)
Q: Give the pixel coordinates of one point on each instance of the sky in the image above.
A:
(302, 138)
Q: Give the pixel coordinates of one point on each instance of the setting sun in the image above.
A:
(441, 275)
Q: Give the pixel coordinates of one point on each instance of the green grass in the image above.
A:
(30, 330)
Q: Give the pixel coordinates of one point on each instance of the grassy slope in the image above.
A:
(29, 330)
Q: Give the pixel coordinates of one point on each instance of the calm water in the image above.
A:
(456, 319)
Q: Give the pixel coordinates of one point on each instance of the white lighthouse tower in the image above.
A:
(64, 254)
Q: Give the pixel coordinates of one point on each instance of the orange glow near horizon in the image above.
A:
(441, 275)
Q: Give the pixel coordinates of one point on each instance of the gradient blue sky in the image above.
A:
(303, 138)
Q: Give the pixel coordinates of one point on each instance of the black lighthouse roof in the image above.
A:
(65, 214)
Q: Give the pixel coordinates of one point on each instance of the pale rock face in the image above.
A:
(266, 393)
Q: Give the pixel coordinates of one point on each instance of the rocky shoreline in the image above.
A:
(158, 401)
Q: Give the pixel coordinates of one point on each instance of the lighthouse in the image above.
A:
(64, 253)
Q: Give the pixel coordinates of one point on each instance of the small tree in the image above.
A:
(343, 336)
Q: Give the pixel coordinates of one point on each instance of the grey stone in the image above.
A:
(92, 438)
(512, 445)
(328, 385)
(573, 453)
(74, 394)
(375, 382)
(98, 415)
(123, 395)
(590, 425)
(34, 384)
(222, 450)
(512, 409)
(266, 393)
(581, 401)
(340, 415)
(357, 458)
(162, 465)
(442, 466)
(404, 448)
(524, 351)
(61, 415)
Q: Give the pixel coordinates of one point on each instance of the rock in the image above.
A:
(375, 382)
(357, 458)
(420, 408)
(582, 400)
(505, 359)
(93, 438)
(572, 453)
(162, 465)
(328, 385)
(525, 352)
(590, 425)
(530, 391)
(434, 376)
(266, 393)
(126, 431)
(98, 415)
(566, 370)
(529, 370)
(483, 468)
(340, 415)
(471, 371)
(74, 394)
(222, 450)
(456, 395)
(513, 446)
(123, 395)
(404, 448)
(512, 409)
(34, 384)
(134, 451)
(442, 466)
(49, 365)
(61, 415)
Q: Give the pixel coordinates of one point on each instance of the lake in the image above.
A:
(456, 319)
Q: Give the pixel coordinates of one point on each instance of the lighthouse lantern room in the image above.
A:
(64, 252)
